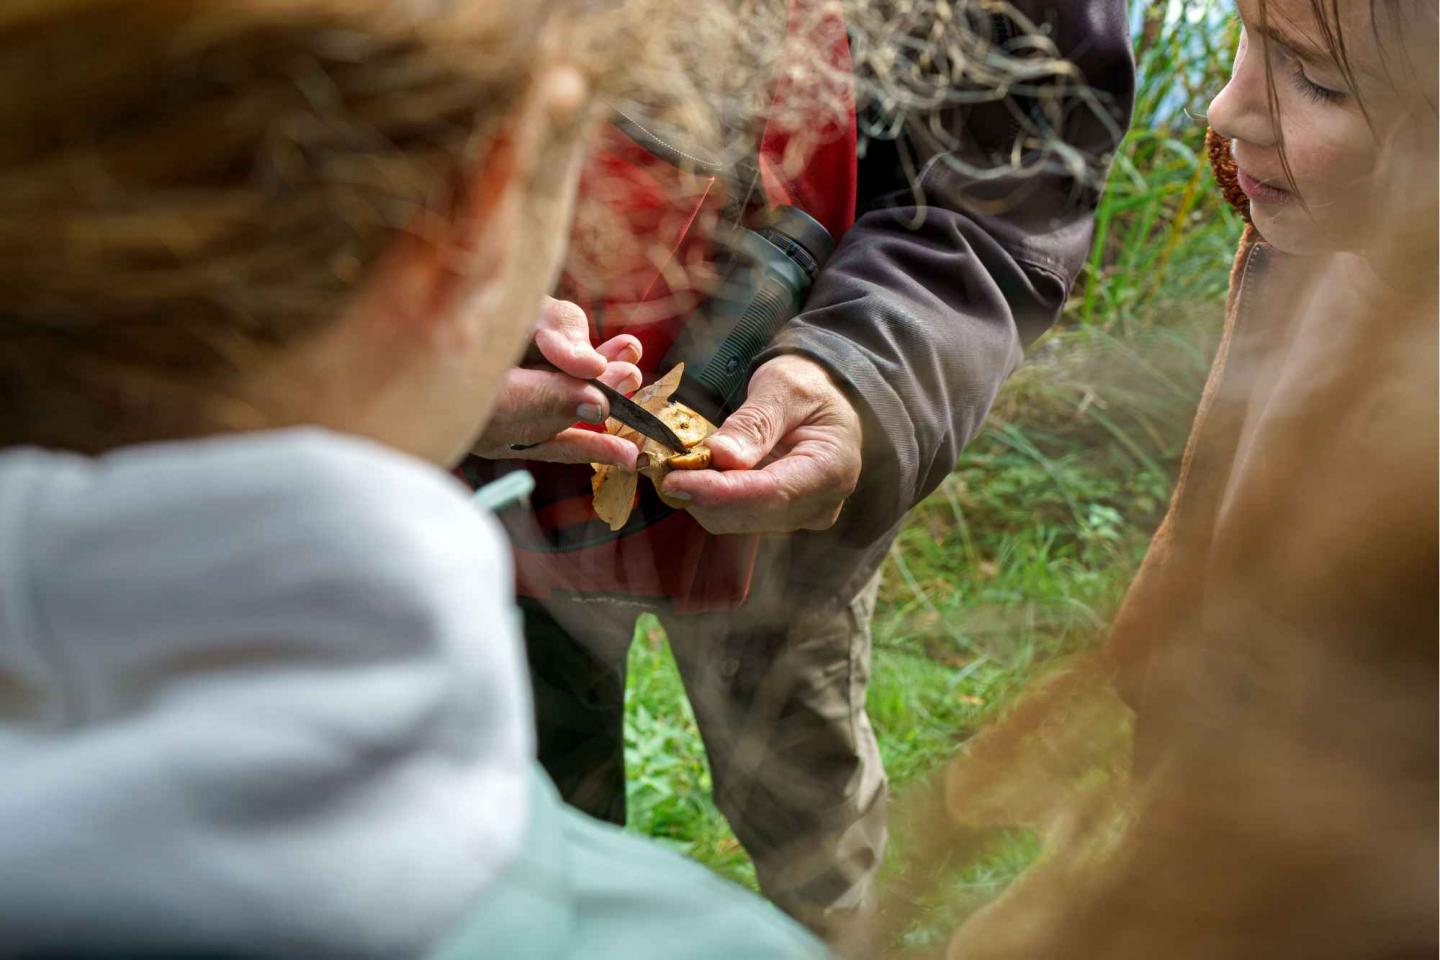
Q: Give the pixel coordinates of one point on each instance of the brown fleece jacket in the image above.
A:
(1305, 511)
(1279, 647)
(1159, 582)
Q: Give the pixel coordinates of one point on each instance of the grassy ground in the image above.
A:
(1023, 553)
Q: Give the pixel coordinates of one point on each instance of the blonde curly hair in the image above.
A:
(187, 185)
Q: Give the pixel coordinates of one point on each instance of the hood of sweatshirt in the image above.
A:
(262, 694)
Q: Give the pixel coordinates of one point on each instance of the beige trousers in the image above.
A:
(778, 692)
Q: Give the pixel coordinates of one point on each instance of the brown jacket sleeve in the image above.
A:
(926, 305)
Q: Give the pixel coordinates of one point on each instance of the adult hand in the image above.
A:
(540, 407)
(795, 415)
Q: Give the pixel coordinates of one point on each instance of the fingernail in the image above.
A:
(679, 495)
(589, 412)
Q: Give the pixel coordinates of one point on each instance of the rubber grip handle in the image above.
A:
(727, 371)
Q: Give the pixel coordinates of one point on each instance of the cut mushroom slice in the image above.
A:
(655, 460)
(614, 488)
(698, 458)
(689, 427)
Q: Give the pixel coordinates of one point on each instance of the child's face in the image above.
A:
(1332, 152)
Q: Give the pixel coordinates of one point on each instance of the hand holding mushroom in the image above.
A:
(786, 460)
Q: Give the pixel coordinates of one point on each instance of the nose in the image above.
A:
(1241, 110)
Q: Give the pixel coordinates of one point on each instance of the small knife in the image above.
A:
(622, 408)
(637, 418)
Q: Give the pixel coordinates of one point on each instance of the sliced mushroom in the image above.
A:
(614, 488)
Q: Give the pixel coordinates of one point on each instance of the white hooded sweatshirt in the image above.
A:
(262, 692)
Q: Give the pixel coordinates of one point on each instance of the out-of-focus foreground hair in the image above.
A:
(187, 186)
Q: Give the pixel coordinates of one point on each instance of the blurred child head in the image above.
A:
(236, 214)
(1331, 116)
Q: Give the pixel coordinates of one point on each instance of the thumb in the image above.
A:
(563, 337)
(751, 432)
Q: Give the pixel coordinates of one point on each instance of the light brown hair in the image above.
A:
(186, 185)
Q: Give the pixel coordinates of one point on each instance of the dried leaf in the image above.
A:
(653, 398)
(614, 491)
(656, 395)
(614, 488)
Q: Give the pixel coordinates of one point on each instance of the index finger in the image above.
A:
(725, 488)
(579, 446)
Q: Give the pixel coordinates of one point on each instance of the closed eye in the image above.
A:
(1317, 93)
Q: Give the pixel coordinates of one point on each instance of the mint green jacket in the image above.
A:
(587, 889)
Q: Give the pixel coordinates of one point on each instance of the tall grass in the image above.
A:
(1160, 228)
(1022, 554)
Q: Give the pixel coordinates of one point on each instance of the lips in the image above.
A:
(1259, 191)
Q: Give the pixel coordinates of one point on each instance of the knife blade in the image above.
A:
(637, 418)
(622, 408)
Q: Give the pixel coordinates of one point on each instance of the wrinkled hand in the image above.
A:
(541, 406)
(796, 415)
